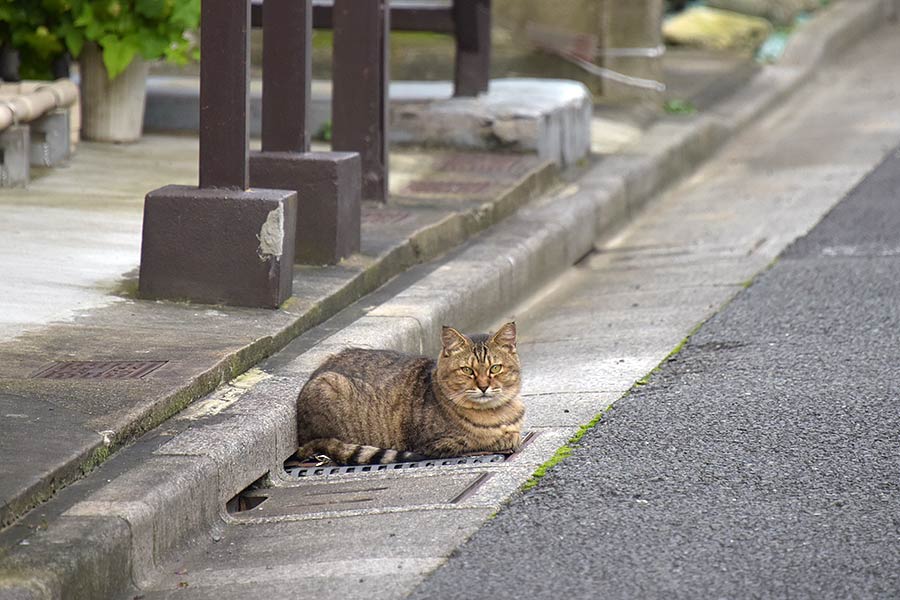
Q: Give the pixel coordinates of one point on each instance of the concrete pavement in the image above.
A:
(197, 463)
(760, 461)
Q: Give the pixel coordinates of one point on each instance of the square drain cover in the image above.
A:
(327, 496)
(90, 369)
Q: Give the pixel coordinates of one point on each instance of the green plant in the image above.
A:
(43, 30)
(123, 29)
(677, 106)
(32, 28)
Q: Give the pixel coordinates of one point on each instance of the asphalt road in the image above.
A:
(763, 461)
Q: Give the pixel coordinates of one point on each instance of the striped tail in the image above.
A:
(355, 454)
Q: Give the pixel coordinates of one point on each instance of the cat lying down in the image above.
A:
(378, 406)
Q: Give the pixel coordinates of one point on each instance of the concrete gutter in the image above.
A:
(179, 492)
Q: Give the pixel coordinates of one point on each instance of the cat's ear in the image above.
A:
(506, 337)
(453, 340)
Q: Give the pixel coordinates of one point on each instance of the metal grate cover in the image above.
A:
(383, 216)
(449, 187)
(439, 462)
(89, 369)
(309, 470)
(486, 163)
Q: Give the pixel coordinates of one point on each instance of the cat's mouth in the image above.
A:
(488, 398)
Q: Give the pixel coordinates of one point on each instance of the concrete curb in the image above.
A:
(255, 435)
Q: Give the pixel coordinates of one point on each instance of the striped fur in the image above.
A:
(355, 454)
(376, 406)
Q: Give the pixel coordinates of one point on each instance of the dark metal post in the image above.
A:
(359, 102)
(224, 94)
(221, 243)
(473, 46)
(327, 183)
(287, 75)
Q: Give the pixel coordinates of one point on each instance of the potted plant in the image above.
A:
(113, 40)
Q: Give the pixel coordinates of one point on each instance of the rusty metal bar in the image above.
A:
(224, 94)
(473, 46)
(287, 75)
(359, 101)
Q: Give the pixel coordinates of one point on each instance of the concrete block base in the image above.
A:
(50, 140)
(328, 186)
(551, 118)
(218, 246)
(548, 117)
(14, 166)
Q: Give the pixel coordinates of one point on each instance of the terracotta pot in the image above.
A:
(112, 111)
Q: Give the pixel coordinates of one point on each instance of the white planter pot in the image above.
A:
(112, 111)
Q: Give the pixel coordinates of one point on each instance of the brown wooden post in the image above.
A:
(359, 102)
(220, 243)
(473, 46)
(327, 183)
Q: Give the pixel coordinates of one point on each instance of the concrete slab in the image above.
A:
(383, 554)
(30, 463)
(96, 563)
(550, 118)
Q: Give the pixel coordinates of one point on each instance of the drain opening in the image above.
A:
(298, 467)
(250, 497)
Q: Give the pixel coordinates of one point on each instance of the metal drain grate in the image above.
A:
(89, 369)
(486, 163)
(424, 464)
(383, 216)
(310, 470)
(455, 188)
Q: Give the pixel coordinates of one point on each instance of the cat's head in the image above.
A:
(479, 371)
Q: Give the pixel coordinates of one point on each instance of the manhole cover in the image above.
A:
(89, 369)
(454, 188)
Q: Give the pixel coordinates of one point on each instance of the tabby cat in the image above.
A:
(377, 406)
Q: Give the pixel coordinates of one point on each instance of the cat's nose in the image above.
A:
(484, 388)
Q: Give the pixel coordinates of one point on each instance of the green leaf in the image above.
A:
(43, 42)
(186, 14)
(74, 39)
(152, 45)
(117, 54)
(152, 9)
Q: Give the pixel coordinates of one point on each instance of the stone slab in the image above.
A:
(551, 118)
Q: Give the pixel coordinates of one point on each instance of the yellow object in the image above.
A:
(717, 29)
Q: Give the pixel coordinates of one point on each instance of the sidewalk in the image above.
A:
(206, 345)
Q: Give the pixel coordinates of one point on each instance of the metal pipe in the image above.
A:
(27, 101)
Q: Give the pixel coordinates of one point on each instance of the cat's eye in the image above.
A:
(467, 370)
(496, 369)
